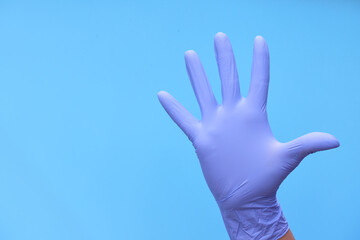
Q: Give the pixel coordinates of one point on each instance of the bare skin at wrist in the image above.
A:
(288, 236)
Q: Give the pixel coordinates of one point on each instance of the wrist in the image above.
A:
(255, 222)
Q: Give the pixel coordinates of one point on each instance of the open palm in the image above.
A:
(242, 162)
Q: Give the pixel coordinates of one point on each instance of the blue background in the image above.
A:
(87, 152)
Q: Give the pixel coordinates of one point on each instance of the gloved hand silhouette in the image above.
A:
(242, 162)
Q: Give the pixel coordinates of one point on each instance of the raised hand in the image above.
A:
(242, 162)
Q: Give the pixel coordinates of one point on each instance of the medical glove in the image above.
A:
(242, 162)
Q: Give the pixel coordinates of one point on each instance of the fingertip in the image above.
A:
(337, 143)
(220, 36)
(222, 44)
(323, 141)
(260, 42)
(190, 54)
(162, 95)
(333, 141)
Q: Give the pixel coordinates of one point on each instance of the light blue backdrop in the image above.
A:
(87, 152)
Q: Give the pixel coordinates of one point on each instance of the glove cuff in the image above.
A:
(255, 223)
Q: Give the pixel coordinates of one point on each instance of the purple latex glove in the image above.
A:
(242, 162)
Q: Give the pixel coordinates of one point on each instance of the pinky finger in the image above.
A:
(179, 114)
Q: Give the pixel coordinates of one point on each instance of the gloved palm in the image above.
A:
(242, 162)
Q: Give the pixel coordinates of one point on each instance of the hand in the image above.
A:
(242, 162)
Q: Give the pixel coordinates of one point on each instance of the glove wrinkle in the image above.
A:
(255, 223)
(233, 192)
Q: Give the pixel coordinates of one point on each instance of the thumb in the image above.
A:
(311, 143)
